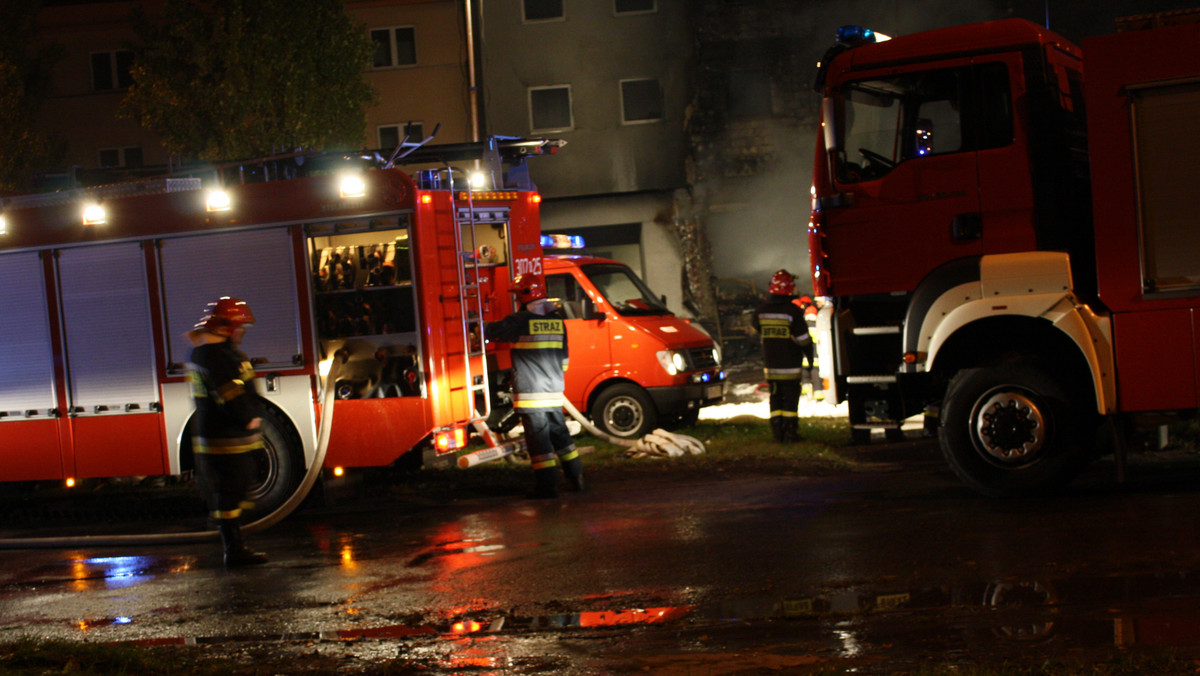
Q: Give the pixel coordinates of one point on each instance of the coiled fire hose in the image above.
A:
(657, 444)
(328, 396)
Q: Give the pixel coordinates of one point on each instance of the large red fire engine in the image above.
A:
(975, 271)
(397, 270)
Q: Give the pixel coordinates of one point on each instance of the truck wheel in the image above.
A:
(279, 467)
(624, 410)
(1010, 430)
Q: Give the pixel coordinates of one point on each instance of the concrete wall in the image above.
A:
(660, 263)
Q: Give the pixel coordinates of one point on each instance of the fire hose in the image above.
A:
(657, 444)
(328, 396)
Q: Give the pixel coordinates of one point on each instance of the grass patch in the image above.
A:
(735, 447)
(728, 445)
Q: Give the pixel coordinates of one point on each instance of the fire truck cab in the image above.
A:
(994, 256)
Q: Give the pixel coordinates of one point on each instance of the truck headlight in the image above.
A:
(672, 361)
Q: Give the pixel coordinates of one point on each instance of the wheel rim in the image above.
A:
(623, 416)
(1008, 427)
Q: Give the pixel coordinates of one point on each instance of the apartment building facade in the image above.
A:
(610, 77)
(418, 71)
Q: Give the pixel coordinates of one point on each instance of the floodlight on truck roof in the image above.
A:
(217, 200)
(94, 214)
(351, 185)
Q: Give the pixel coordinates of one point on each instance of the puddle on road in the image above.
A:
(83, 573)
(1003, 619)
(1148, 610)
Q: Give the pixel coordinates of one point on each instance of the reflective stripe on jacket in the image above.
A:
(539, 356)
(786, 343)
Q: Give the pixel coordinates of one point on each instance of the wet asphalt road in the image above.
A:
(896, 565)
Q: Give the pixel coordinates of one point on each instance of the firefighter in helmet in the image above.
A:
(228, 421)
(538, 338)
(787, 352)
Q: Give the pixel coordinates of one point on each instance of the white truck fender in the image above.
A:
(1036, 284)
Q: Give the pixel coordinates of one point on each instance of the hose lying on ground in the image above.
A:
(306, 484)
(657, 444)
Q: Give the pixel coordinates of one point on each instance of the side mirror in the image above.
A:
(589, 310)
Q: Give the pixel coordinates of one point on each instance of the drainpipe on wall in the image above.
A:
(472, 85)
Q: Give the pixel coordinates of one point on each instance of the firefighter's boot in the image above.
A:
(545, 483)
(789, 427)
(572, 468)
(777, 428)
(236, 553)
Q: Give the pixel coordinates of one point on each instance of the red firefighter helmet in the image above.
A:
(782, 284)
(528, 288)
(225, 315)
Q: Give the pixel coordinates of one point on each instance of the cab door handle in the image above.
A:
(967, 227)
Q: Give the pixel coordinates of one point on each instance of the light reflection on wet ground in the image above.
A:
(664, 580)
(1150, 610)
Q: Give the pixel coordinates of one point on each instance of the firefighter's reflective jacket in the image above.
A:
(222, 385)
(786, 344)
(539, 356)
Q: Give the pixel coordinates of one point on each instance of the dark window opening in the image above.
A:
(543, 10)
(641, 101)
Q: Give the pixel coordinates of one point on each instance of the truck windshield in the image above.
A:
(885, 121)
(889, 120)
(624, 290)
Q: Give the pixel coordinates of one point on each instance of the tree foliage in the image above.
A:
(24, 82)
(228, 79)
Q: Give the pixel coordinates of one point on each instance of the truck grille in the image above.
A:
(701, 358)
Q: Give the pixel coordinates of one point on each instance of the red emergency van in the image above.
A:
(634, 364)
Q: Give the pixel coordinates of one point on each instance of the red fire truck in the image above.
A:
(103, 283)
(992, 255)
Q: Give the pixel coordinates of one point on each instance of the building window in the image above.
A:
(635, 6)
(394, 47)
(110, 70)
(129, 158)
(550, 109)
(641, 101)
(391, 134)
(543, 10)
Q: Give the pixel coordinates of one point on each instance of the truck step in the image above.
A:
(867, 380)
(888, 329)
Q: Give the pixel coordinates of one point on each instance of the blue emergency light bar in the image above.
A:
(852, 35)
(562, 242)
